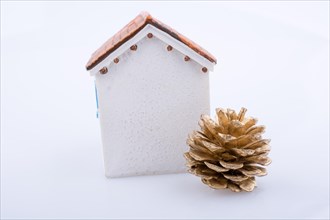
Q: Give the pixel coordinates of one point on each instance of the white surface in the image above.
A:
(148, 103)
(166, 38)
(274, 60)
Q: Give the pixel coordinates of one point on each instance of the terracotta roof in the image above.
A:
(132, 29)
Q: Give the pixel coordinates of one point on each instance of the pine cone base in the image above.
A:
(229, 151)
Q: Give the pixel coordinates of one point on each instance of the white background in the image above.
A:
(273, 59)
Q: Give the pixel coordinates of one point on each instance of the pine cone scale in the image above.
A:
(212, 147)
(216, 168)
(233, 187)
(235, 177)
(231, 165)
(252, 171)
(219, 183)
(247, 185)
(257, 144)
(242, 152)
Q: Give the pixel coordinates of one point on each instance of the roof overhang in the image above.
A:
(161, 35)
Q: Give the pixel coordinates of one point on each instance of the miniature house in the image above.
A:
(152, 86)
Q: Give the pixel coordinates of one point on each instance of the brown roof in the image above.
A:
(133, 28)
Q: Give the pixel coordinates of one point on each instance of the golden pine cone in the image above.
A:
(228, 152)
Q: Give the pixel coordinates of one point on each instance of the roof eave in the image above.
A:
(161, 35)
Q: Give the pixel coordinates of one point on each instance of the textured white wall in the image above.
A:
(148, 103)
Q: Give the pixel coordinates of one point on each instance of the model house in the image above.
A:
(152, 86)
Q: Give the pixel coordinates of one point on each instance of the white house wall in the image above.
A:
(148, 103)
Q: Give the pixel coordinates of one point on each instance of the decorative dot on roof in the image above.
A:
(133, 47)
(104, 70)
(186, 58)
